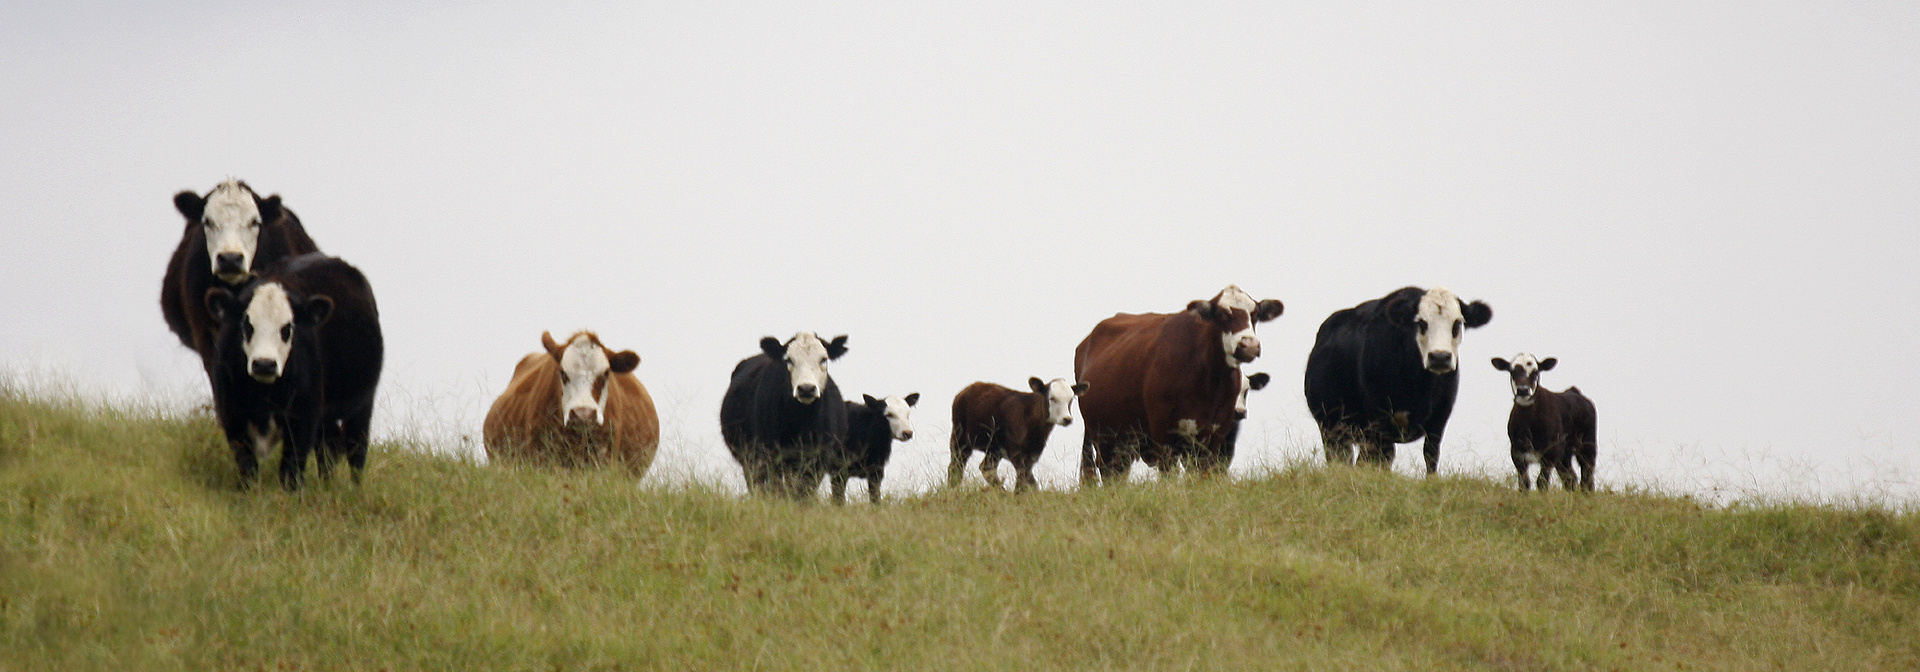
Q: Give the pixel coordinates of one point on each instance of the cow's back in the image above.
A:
(1113, 360)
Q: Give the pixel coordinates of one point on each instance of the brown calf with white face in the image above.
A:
(576, 404)
(1552, 429)
(1002, 422)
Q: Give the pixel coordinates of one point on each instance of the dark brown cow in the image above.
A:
(576, 404)
(1164, 386)
(1552, 429)
(230, 232)
(1003, 422)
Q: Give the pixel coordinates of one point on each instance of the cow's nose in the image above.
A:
(1440, 360)
(1248, 349)
(582, 415)
(906, 435)
(264, 368)
(806, 392)
(229, 262)
(1066, 421)
(1240, 413)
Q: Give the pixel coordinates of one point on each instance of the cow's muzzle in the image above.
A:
(1440, 362)
(584, 415)
(806, 394)
(264, 370)
(1247, 350)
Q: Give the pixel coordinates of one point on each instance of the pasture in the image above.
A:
(123, 545)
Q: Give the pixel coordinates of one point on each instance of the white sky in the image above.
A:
(1706, 211)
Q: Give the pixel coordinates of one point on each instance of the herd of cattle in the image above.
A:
(291, 344)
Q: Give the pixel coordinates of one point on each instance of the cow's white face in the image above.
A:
(898, 410)
(1524, 375)
(806, 360)
(1248, 384)
(584, 370)
(1060, 394)
(266, 330)
(1437, 326)
(1237, 340)
(231, 222)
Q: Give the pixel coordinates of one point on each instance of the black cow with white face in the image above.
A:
(1551, 429)
(783, 418)
(1386, 372)
(298, 356)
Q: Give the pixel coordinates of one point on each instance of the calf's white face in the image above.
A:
(231, 221)
(267, 330)
(1524, 372)
(1437, 326)
(1248, 384)
(1060, 394)
(898, 410)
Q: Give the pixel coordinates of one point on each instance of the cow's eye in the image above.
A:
(1456, 328)
(286, 332)
(254, 223)
(1420, 324)
(246, 329)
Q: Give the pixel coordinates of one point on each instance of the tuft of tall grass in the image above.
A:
(125, 545)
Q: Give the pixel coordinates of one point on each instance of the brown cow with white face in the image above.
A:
(1164, 387)
(575, 404)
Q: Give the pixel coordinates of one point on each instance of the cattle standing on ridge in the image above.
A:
(782, 416)
(872, 427)
(1003, 422)
(1551, 429)
(575, 404)
(1385, 372)
(296, 361)
(1164, 386)
(229, 232)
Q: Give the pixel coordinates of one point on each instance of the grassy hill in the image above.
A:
(123, 545)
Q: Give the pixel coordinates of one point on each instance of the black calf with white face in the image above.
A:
(269, 318)
(1524, 372)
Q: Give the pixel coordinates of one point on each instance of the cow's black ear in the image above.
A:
(837, 347)
(1547, 364)
(913, 398)
(1039, 386)
(221, 303)
(1258, 380)
(190, 204)
(772, 347)
(1080, 388)
(1477, 314)
(269, 208)
(1201, 306)
(624, 361)
(1268, 310)
(553, 348)
(875, 404)
(315, 311)
(1501, 364)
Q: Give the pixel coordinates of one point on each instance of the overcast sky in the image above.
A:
(1707, 212)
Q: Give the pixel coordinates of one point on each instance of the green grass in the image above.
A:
(123, 545)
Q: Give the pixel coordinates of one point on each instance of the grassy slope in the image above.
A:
(124, 546)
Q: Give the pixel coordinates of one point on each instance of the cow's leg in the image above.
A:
(1023, 474)
(1088, 468)
(295, 444)
(957, 465)
(1585, 453)
(839, 489)
(990, 469)
(1520, 462)
(1563, 466)
(1337, 442)
(1431, 450)
(355, 433)
(247, 459)
(873, 488)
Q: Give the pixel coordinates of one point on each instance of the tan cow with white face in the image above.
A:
(576, 404)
